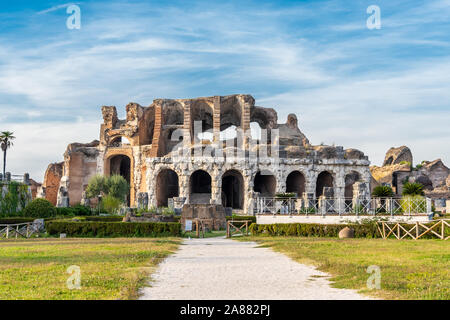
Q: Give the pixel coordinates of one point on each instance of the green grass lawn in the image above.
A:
(409, 269)
(110, 268)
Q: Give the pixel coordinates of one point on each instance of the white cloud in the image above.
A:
(126, 56)
(39, 144)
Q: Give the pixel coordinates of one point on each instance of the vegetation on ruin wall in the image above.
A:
(42, 208)
(14, 196)
(110, 268)
(113, 229)
(366, 230)
(409, 269)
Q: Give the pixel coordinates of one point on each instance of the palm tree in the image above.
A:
(383, 192)
(6, 138)
(413, 189)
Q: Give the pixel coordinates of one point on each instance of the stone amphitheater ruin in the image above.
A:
(159, 151)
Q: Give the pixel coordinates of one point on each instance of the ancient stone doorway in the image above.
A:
(350, 180)
(166, 187)
(295, 183)
(324, 180)
(233, 189)
(121, 165)
(200, 187)
(265, 184)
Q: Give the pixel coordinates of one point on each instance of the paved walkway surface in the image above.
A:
(219, 268)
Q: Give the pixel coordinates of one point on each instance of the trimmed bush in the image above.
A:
(238, 218)
(366, 230)
(39, 208)
(313, 230)
(113, 229)
(15, 220)
(104, 218)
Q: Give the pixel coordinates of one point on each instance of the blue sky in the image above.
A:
(348, 85)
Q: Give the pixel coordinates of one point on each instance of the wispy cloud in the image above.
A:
(349, 85)
(54, 8)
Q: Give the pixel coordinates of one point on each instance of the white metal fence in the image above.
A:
(343, 206)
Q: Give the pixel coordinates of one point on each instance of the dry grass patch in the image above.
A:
(110, 268)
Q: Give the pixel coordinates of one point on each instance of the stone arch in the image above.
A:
(173, 114)
(167, 186)
(233, 189)
(201, 111)
(265, 184)
(119, 141)
(324, 180)
(200, 186)
(113, 165)
(350, 180)
(230, 113)
(296, 182)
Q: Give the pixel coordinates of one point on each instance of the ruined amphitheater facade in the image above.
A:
(218, 150)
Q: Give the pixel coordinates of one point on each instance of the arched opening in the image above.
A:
(202, 112)
(295, 183)
(350, 180)
(121, 165)
(173, 114)
(200, 187)
(119, 142)
(233, 189)
(166, 187)
(324, 180)
(265, 184)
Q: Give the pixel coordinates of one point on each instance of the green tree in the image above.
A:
(96, 186)
(383, 192)
(413, 189)
(116, 186)
(6, 138)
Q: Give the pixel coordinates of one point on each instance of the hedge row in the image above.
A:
(237, 218)
(113, 229)
(104, 218)
(313, 230)
(15, 220)
(368, 230)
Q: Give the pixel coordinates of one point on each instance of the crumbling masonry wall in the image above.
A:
(163, 136)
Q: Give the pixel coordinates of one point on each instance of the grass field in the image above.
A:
(110, 268)
(409, 269)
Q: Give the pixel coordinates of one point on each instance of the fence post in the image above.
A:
(429, 207)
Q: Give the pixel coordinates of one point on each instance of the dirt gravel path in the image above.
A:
(219, 268)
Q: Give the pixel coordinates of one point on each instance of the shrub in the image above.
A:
(95, 186)
(166, 211)
(413, 189)
(39, 208)
(15, 220)
(313, 230)
(104, 219)
(80, 210)
(116, 186)
(65, 212)
(286, 195)
(413, 204)
(113, 229)
(14, 198)
(235, 217)
(111, 204)
(383, 192)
